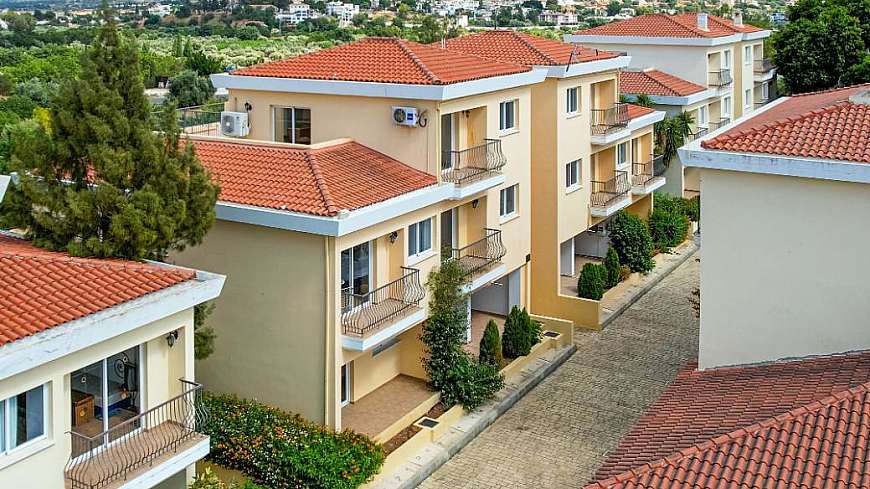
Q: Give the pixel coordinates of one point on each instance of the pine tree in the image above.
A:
(100, 182)
(490, 346)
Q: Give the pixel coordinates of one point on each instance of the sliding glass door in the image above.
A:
(356, 277)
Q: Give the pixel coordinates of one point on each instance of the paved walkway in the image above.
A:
(560, 432)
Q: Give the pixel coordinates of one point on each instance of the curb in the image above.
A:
(690, 251)
(430, 458)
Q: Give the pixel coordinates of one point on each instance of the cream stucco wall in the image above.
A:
(784, 269)
(40, 465)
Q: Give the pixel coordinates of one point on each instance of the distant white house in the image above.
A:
(558, 18)
(295, 13)
(343, 11)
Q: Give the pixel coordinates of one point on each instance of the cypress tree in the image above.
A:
(490, 346)
(99, 182)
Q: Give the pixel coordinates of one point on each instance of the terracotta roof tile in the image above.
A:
(41, 289)
(385, 60)
(816, 125)
(313, 180)
(664, 25)
(524, 49)
(635, 111)
(655, 82)
(704, 405)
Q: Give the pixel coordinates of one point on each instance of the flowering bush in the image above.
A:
(283, 451)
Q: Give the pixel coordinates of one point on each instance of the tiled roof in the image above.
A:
(318, 180)
(655, 82)
(702, 405)
(385, 60)
(41, 289)
(524, 49)
(817, 125)
(635, 111)
(664, 25)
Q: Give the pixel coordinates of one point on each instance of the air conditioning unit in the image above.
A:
(405, 116)
(234, 124)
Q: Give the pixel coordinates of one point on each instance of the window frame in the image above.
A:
(503, 117)
(573, 173)
(747, 55)
(703, 109)
(575, 98)
(293, 109)
(726, 59)
(748, 98)
(513, 190)
(619, 147)
(414, 237)
(6, 413)
(727, 104)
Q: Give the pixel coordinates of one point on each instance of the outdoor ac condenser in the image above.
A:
(234, 124)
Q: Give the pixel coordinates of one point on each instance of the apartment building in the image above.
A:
(720, 54)
(786, 197)
(97, 384)
(674, 96)
(363, 168)
(591, 157)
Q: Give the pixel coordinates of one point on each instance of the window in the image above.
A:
(571, 106)
(420, 237)
(356, 276)
(572, 175)
(622, 155)
(507, 112)
(747, 98)
(508, 201)
(345, 384)
(702, 116)
(726, 106)
(292, 125)
(22, 418)
(765, 92)
(747, 55)
(726, 59)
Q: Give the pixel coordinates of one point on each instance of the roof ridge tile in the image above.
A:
(403, 45)
(322, 187)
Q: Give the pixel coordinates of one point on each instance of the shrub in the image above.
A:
(187, 89)
(591, 283)
(630, 237)
(452, 371)
(282, 450)
(693, 208)
(668, 227)
(611, 263)
(520, 333)
(490, 346)
(209, 480)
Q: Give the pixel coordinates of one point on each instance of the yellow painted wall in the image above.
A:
(41, 465)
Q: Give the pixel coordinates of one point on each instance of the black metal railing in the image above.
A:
(720, 78)
(609, 119)
(203, 120)
(762, 65)
(699, 133)
(364, 313)
(473, 164)
(761, 103)
(113, 454)
(641, 173)
(603, 193)
(722, 122)
(480, 255)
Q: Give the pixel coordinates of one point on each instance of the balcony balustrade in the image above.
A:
(362, 314)
(722, 122)
(762, 65)
(481, 255)
(699, 133)
(473, 164)
(610, 119)
(200, 120)
(606, 192)
(719, 78)
(137, 442)
(642, 173)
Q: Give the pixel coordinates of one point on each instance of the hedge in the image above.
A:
(283, 450)
(630, 237)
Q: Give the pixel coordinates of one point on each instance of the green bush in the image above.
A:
(209, 480)
(520, 334)
(611, 263)
(282, 450)
(693, 208)
(490, 346)
(593, 278)
(630, 237)
(668, 228)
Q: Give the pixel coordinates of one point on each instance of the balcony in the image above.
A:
(719, 78)
(480, 260)
(368, 319)
(165, 436)
(761, 103)
(478, 164)
(200, 120)
(609, 120)
(722, 122)
(763, 70)
(699, 133)
(648, 176)
(611, 195)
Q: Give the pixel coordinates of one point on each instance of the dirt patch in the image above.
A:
(401, 437)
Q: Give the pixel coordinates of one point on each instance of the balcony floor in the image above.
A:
(91, 472)
(379, 409)
(382, 309)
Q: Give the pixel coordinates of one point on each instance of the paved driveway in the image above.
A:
(559, 433)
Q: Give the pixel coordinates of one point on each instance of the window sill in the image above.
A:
(572, 189)
(508, 217)
(508, 132)
(415, 259)
(20, 453)
(573, 115)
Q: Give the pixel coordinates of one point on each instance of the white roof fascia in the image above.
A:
(653, 40)
(73, 336)
(680, 100)
(373, 89)
(586, 67)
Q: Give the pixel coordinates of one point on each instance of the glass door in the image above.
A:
(449, 223)
(355, 275)
(448, 141)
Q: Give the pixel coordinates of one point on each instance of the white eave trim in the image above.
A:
(585, 68)
(680, 100)
(342, 224)
(68, 338)
(372, 89)
(645, 120)
(751, 36)
(657, 41)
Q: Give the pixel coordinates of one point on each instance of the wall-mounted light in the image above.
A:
(475, 203)
(394, 236)
(248, 107)
(171, 338)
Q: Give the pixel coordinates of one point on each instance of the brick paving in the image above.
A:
(560, 432)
